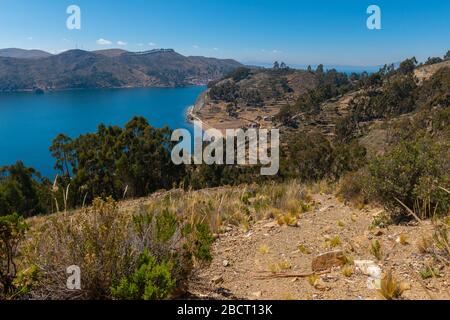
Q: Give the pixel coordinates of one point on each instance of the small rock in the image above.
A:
(405, 286)
(373, 283)
(319, 284)
(271, 225)
(226, 263)
(217, 280)
(257, 294)
(328, 260)
(379, 233)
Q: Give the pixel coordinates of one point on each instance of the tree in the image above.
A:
(61, 151)
(283, 65)
(309, 68)
(447, 55)
(433, 60)
(408, 65)
(133, 161)
(276, 65)
(20, 190)
(320, 69)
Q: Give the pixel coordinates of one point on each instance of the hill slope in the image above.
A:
(23, 54)
(77, 69)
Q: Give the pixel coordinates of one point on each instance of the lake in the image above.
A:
(29, 122)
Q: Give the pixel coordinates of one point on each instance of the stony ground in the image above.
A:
(246, 262)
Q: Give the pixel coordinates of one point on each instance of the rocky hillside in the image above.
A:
(328, 254)
(77, 69)
(251, 96)
(290, 241)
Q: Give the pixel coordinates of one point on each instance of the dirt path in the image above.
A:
(240, 256)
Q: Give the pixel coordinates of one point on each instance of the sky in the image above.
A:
(297, 32)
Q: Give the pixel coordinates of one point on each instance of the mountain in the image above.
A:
(110, 52)
(78, 69)
(23, 54)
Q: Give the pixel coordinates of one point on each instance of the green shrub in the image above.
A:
(144, 254)
(413, 173)
(12, 232)
(150, 281)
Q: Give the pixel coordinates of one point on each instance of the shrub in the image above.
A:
(347, 271)
(375, 249)
(429, 272)
(412, 172)
(138, 255)
(390, 288)
(150, 281)
(12, 232)
(352, 187)
(22, 191)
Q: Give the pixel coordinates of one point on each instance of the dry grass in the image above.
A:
(391, 288)
(304, 249)
(347, 271)
(280, 266)
(264, 249)
(375, 249)
(313, 279)
(403, 239)
(424, 244)
(333, 242)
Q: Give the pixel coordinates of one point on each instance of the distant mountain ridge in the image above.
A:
(23, 54)
(114, 68)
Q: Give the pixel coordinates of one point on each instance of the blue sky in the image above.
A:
(251, 31)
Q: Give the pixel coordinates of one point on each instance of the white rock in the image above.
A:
(371, 269)
(368, 267)
(373, 284)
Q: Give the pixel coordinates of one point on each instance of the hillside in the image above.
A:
(359, 208)
(77, 69)
(251, 96)
(257, 256)
(23, 54)
(258, 98)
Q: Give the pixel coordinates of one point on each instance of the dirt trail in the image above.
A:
(240, 256)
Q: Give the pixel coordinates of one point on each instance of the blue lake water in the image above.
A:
(29, 122)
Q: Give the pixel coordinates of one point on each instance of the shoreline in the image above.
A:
(33, 91)
(192, 116)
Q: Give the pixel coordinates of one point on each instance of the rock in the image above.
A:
(371, 269)
(373, 283)
(405, 286)
(328, 260)
(257, 294)
(379, 233)
(319, 284)
(217, 280)
(271, 225)
(368, 268)
(226, 263)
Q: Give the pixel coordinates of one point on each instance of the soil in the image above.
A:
(241, 257)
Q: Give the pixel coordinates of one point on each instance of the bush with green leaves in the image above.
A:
(312, 157)
(143, 254)
(12, 232)
(151, 280)
(23, 191)
(413, 173)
